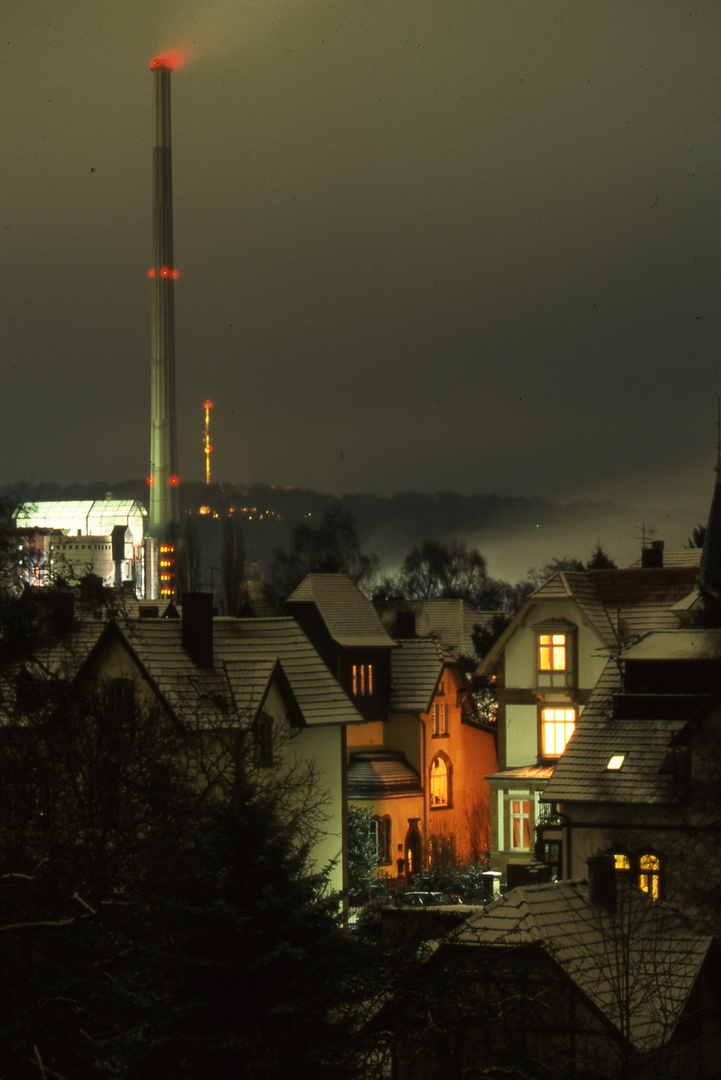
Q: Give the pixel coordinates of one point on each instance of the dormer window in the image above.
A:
(362, 680)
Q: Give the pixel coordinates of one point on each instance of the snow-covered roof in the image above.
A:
(350, 618)
(637, 963)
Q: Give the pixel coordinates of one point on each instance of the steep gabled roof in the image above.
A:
(619, 605)
(637, 964)
(641, 600)
(416, 667)
(248, 655)
(63, 655)
(581, 590)
(684, 644)
(319, 696)
(350, 618)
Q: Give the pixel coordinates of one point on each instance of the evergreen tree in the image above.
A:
(254, 988)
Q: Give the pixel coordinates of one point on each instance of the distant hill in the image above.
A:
(514, 533)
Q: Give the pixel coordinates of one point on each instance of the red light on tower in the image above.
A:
(169, 60)
(174, 480)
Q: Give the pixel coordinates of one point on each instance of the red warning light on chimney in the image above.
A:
(169, 60)
(174, 480)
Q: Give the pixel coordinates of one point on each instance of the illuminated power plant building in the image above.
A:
(163, 479)
(70, 539)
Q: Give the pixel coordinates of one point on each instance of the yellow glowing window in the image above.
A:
(621, 862)
(552, 652)
(439, 782)
(616, 761)
(649, 875)
(521, 824)
(556, 729)
(362, 680)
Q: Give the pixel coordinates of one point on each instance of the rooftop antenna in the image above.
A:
(647, 534)
(207, 447)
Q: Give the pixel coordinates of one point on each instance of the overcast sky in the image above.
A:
(423, 244)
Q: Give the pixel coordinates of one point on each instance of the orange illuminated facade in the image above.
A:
(419, 761)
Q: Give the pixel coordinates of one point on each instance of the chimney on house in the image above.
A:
(652, 557)
(602, 881)
(405, 624)
(198, 628)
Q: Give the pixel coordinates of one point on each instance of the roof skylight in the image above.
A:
(616, 761)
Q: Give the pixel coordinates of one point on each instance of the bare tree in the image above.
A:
(232, 568)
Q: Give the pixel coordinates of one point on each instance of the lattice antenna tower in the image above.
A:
(207, 445)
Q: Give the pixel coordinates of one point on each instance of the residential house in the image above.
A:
(545, 666)
(419, 761)
(259, 677)
(575, 978)
(641, 776)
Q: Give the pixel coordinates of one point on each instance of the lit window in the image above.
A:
(553, 659)
(552, 652)
(556, 729)
(440, 718)
(616, 761)
(649, 875)
(521, 824)
(439, 782)
(621, 862)
(362, 680)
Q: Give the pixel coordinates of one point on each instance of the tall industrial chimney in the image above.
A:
(162, 529)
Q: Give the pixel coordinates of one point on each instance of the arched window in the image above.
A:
(440, 782)
(649, 875)
(412, 849)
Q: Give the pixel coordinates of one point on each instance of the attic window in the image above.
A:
(362, 680)
(555, 649)
(616, 761)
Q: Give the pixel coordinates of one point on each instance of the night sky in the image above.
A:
(423, 244)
